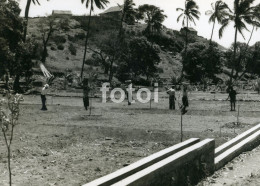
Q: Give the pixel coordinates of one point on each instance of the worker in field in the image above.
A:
(86, 91)
(232, 96)
(172, 97)
(185, 101)
(43, 96)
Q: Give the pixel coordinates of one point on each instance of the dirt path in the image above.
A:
(243, 170)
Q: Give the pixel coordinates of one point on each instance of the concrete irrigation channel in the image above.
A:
(183, 164)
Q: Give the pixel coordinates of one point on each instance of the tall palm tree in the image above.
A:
(152, 15)
(188, 14)
(243, 13)
(100, 4)
(128, 14)
(219, 12)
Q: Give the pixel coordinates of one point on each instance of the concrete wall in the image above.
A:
(142, 164)
(248, 143)
(186, 167)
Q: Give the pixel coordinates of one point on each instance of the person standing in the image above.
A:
(86, 91)
(172, 97)
(43, 96)
(232, 95)
(185, 102)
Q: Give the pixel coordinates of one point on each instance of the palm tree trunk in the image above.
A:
(86, 44)
(210, 42)
(185, 50)
(121, 24)
(186, 37)
(240, 57)
(234, 57)
(26, 16)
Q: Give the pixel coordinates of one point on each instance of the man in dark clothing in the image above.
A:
(232, 95)
(172, 98)
(185, 101)
(85, 93)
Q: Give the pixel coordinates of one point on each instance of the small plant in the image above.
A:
(72, 50)
(60, 47)
(9, 114)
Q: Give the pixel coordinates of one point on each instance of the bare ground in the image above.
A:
(66, 146)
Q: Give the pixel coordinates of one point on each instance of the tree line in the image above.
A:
(134, 56)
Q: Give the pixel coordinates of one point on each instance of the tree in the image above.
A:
(196, 63)
(153, 16)
(219, 12)
(128, 14)
(8, 121)
(139, 57)
(188, 14)
(108, 53)
(100, 4)
(46, 27)
(243, 13)
(15, 55)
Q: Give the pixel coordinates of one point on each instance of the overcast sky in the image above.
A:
(169, 7)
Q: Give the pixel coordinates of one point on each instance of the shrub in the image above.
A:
(72, 50)
(60, 47)
(59, 39)
(80, 36)
(53, 48)
(160, 70)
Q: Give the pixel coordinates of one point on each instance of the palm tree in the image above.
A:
(219, 12)
(188, 14)
(153, 16)
(128, 14)
(100, 4)
(243, 13)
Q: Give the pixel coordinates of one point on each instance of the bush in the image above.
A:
(60, 47)
(53, 48)
(72, 50)
(59, 40)
(160, 70)
(80, 36)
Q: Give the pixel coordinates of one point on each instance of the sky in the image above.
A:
(169, 6)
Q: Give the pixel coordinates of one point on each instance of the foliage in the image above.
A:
(129, 13)
(64, 24)
(174, 45)
(15, 55)
(47, 27)
(189, 12)
(72, 49)
(244, 13)
(9, 115)
(101, 5)
(202, 61)
(153, 16)
(219, 12)
(60, 47)
(61, 39)
(139, 57)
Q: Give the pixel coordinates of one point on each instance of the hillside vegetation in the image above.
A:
(66, 45)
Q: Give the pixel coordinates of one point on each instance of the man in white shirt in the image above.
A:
(43, 96)
(172, 97)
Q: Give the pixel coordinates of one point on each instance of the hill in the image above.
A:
(66, 46)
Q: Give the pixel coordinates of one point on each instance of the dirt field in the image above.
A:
(66, 146)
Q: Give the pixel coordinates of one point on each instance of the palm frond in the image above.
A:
(179, 9)
(179, 17)
(224, 23)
